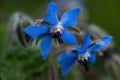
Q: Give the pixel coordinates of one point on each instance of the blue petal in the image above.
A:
(106, 40)
(45, 46)
(66, 61)
(35, 31)
(92, 58)
(51, 16)
(67, 36)
(95, 47)
(87, 40)
(86, 43)
(70, 17)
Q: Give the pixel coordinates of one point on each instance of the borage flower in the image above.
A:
(83, 54)
(54, 28)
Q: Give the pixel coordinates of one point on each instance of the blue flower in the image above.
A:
(53, 28)
(82, 54)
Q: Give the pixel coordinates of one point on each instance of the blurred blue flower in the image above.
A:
(53, 28)
(82, 54)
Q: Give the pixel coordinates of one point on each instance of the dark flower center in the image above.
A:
(85, 64)
(57, 35)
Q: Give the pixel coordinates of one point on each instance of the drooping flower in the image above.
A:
(83, 54)
(54, 28)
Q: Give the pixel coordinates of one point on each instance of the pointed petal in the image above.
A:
(92, 58)
(51, 16)
(95, 47)
(45, 46)
(35, 31)
(87, 40)
(70, 17)
(106, 40)
(67, 36)
(66, 61)
(86, 43)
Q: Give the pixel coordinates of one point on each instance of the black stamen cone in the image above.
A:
(85, 64)
(57, 36)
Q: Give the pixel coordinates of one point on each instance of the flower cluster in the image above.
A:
(53, 28)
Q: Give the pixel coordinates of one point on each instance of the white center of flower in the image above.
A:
(84, 56)
(58, 28)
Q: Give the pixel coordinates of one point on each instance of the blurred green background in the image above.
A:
(105, 13)
(19, 63)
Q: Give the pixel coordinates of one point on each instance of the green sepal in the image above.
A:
(74, 29)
